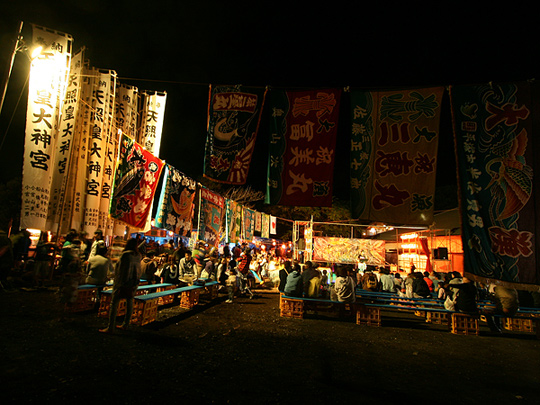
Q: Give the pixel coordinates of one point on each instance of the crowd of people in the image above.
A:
(77, 259)
(455, 292)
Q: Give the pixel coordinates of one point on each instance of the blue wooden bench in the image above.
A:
(86, 298)
(525, 320)
(145, 306)
(295, 307)
(106, 296)
(368, 310)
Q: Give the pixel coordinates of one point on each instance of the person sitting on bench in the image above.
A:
(343, 290)
(295, 285)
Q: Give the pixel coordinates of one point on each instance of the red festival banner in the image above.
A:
(302, 147)
(135, 183)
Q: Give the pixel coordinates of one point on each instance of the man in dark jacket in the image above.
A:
(419, 286)
(465, 301)
(283, 273)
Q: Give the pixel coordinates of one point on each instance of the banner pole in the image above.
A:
(7, 74)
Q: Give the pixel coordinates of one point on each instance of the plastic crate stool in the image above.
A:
(144, 311)
(519, 325)
(464, 324)
(190, 298)
(291, 308)
(86, 299)
(368, 316)
(438, 318)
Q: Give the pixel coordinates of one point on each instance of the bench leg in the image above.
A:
(144, 312)
(189, 299)
(368, 316)
(464, 324)
(291, 308)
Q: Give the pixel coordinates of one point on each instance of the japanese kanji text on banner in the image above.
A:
(302, 147)
(494, 136)
(46, 89)
(394, 146)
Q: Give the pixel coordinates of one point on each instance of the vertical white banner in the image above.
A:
(97, 147)
(127, 101)
(78, 167)
(65, 142)
(109, 162)
(151, 124)
(46, 89)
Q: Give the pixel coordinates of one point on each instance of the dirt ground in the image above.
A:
(245, 352)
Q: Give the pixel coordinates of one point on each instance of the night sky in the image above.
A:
(182, 47)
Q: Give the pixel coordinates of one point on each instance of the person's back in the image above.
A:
(294, 286)
(465, 298)
(314, 287)
(420, 288)
(308, 273)
(387, 283)
(429, 281)
(343, 290)
(245, 261)
(170, 273)
(506, 300)
(283, 273)
(148, 267)
(99, 268)
(370, 282)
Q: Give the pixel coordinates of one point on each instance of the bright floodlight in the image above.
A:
(36, 52)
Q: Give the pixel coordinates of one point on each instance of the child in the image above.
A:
(231, 284)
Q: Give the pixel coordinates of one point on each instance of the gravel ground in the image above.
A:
(245, 352)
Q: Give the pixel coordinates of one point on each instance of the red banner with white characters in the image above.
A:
(302, 147)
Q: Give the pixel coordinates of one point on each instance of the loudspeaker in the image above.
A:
(440, 253)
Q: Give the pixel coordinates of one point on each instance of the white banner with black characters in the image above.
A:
(65, 142)
(102, 105)
(74, 215)
(151, 123)
(46, 89)
(127, 100)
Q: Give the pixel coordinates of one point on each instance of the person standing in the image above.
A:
(126, 279)
(199, 254)
(98, 240)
